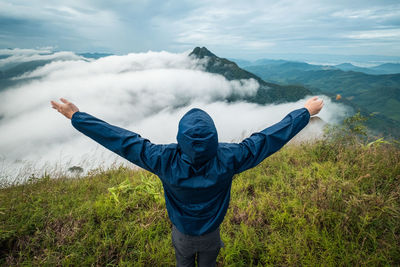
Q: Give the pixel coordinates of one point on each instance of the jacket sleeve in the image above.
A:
(127, 144)
(254, 149)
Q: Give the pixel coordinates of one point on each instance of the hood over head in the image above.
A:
(197, 136)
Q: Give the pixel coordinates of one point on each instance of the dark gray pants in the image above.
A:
(187, 247)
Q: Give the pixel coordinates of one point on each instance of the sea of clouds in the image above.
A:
(146, 93)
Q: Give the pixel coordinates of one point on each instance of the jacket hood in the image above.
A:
(197, 136)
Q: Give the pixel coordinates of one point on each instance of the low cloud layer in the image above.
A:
(147, 93)
(12, 57)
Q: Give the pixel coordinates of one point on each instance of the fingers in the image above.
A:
(320, 105)
(312, 99)
(58, 106)
(55, 105)
(319, 101)
(65, 101)
(65, 107)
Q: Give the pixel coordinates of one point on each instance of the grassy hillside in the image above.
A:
(327, 203)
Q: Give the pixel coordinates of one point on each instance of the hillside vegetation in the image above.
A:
(378, 94)
(329, 203)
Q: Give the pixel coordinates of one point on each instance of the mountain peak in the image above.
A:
(345, 65)
(266, 93)
(201, 52)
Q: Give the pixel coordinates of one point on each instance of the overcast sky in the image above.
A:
(239, 29)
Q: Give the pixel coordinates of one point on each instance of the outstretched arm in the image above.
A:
(127, 144)
(251, 151)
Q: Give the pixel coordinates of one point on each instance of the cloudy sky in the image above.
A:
(239, 29)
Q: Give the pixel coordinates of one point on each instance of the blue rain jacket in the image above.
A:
(197, 172)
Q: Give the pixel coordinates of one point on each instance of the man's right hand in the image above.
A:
(66, 108)
(314, 105)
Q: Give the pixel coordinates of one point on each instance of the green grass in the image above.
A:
(320, 204)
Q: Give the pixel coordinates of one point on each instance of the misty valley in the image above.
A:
(148, 93)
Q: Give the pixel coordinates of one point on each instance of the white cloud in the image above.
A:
(371, 13)
(146, 93)
(19, 51)
(26, 55)
(375, 34)
(230, 28)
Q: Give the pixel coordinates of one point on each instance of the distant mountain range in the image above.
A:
(377, 94)
(386, 68)
(95, 55)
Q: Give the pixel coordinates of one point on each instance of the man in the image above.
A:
(197, 172)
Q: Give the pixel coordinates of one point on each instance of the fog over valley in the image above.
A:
(144, 92)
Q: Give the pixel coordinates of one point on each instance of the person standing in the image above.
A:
(196, 172)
